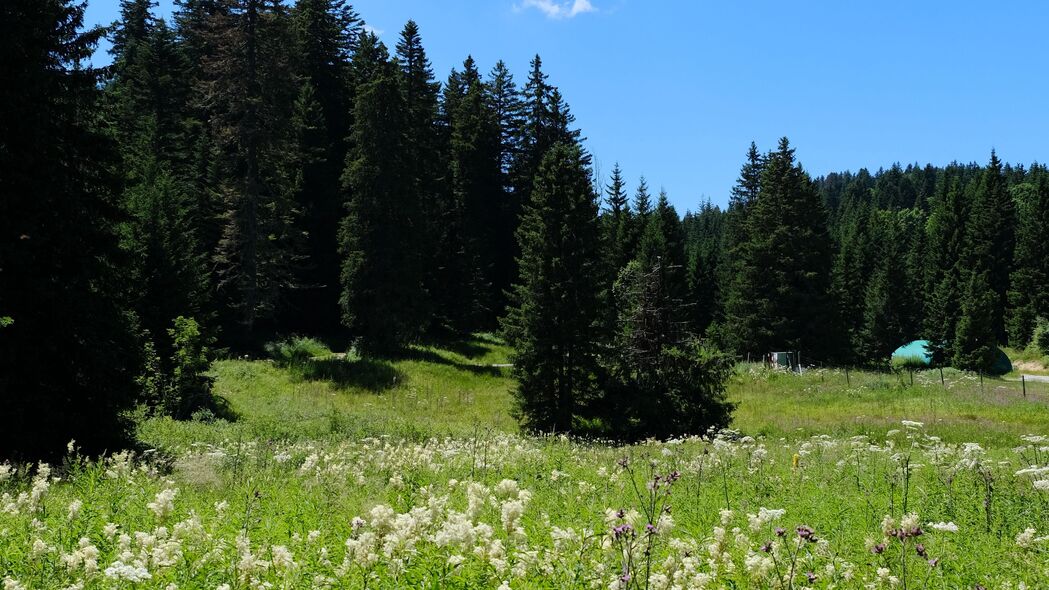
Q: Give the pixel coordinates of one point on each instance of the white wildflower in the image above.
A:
(74, 509)
(948, 527)
(132, 573)
(1025, 539)
(164, 503)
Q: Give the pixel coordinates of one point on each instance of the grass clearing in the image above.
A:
(410, 473)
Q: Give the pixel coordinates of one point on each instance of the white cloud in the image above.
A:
(373, 30)
(560, 9)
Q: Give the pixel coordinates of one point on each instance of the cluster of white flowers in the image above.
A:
(764, 517)
(164, 503)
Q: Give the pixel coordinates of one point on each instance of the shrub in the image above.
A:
(909, 363)
(296, 351)
(189, 388)
(1041, 336)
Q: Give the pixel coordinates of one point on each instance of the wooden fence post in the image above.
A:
(848, 382)
(1023, 380)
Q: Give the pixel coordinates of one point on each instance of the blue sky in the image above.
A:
(677, 89)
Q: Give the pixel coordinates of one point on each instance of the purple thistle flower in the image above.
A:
(620, 513)
(811, 576)
(934, 562)
(920, 548)
(650, 528)
(780, 531)
(767, 547)
(878, 549)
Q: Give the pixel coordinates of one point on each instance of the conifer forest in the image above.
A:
(319, 316)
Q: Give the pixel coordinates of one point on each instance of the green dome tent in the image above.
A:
(914, 353)
(1002, 364)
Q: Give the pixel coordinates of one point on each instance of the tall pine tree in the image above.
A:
(555, 311)
(68, 356)
(780, 300)
(381, 269)
(326, 33)
(1028, 296)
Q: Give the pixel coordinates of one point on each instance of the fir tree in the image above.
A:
(990, 239)
(781, 299)
(326, 34)
(253, 90)
(381, 271)
(617, 221)
(1028, 297)
(975, 345)
(68, 355)
(555, 311)
(943, 278)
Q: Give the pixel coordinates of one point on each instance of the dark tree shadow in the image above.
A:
(367, 373)
(470, 349)
(429, 356)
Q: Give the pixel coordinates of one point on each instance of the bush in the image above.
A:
(1041, 336)
(909, 363)
(189, 388)
(296, 351)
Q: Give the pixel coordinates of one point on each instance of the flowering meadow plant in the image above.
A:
(727, 511)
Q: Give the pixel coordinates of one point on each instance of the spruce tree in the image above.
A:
(252, 89)
(381, 269)
(780, 300)
(662, 245)
(326, 33)
(68, 355)
(703, 239)
(146, 101)
(642, 213)
(617, 221)
(990, 239)
(504, 102)
(1028, 296)
(945, 233)
(423, 165)
(744, 193)
(854, 265)
(555, 307)
(475, 204)
(975, 345)
(889, 313)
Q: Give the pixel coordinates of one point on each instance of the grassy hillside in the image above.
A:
(456, 390)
